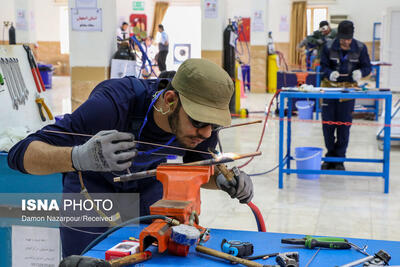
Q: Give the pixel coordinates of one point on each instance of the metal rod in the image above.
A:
(135, 141)
(226, 256)
(207, 162)
(312, 258)
(135, 176)
(241, 124)
(262, 256)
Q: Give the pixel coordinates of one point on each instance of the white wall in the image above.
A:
(95, 49)
(27, 35)
(7, 13)
(212, 29)
(183, 33)
(277, 9)
(362, 12)
(47, 18)
(260, 38)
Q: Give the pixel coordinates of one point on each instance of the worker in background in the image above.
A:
(344, 61)
(150, 49)
(315, 42)
(123, 32)
(163, 45)
(149, 54)
(182, 113)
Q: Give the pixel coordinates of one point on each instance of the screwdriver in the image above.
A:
(319, 242)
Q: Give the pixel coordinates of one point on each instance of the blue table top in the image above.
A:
(351, 93)
(263, 243)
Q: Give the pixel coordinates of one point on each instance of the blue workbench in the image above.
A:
(263, 243)
(13, 181)
(284, 161)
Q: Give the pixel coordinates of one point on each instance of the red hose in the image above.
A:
(264, 126)
(259, 217)
(254, 208)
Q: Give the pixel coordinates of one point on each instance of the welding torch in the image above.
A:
(218, 160)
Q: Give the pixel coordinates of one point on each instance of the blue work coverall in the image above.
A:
(120, 104)
(333, 58)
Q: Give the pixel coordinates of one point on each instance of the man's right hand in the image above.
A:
(334, 75)
(106, 151)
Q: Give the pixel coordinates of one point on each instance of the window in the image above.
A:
(64, 30)
(314, 16)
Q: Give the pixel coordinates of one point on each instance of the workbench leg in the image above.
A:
(281, 130)
(376, 111)
(386, 141)
(289, 131)
(377, 76)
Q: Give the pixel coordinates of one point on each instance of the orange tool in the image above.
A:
(181, 199)
(41, 104)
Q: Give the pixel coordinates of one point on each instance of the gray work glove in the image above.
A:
(356, 75)
(334, 75)
(241, 187)
(106, 151)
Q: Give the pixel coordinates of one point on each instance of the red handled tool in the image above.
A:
(35, 70)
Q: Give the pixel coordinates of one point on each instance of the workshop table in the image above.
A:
(263, 243)
(284, 162)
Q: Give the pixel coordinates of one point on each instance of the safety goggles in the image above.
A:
(199, 124)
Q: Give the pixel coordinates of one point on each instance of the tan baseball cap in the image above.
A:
(205, 91)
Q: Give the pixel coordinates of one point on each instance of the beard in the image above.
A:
(174, 124)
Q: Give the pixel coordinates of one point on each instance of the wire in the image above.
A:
(258, 216)
(135, 141)
(79, 230)
(263, 130)
(262, 173)
(115, 228)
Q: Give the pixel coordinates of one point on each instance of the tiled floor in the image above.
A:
(348, 206)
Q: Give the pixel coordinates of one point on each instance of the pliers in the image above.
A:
(42, 105)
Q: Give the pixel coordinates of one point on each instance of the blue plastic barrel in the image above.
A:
(305, 109)
(308, 158)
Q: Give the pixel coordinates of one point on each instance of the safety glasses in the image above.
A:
(199, 124)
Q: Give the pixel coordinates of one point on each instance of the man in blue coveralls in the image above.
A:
(344, 61)
(183, 113)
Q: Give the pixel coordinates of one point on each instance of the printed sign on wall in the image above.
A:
(86, 19)
(138, 5)
(210, 9)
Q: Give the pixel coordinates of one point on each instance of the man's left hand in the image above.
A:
(356, 75)
(241, 187)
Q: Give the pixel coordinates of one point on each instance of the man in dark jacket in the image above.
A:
(344, 61)
(183, 114)
(319, 37)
